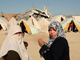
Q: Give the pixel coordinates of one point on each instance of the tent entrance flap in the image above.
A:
(0, 27)
(76, 27)
(25, 27)
(67, 27)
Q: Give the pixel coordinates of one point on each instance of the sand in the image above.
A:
(9, 16)
(33, 48)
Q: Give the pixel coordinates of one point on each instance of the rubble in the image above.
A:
(36, 13)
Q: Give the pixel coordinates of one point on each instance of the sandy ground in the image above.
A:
(33, 48)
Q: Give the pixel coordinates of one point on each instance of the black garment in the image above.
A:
(59, 50)
(12, 55)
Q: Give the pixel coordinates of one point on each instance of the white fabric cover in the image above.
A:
(77, 18)
(44, 24)
(14, 42)
(13, 21)
(34, 22)
(57, 18)
(4, 23)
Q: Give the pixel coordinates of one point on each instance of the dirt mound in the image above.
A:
(9, 16)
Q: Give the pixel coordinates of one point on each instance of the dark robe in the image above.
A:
(59, 50)
(12, 55)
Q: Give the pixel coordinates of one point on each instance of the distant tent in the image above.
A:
(44, 24)
(29, 28)
(4, 24)
(34, 22)
(59, 18)
(13, 21)
(75, 24)
(77, 18)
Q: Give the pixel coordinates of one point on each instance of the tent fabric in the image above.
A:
(34, 22)
(58, 18)
(44, 24)
(27, 27)
(24, 27)
(13, 21)
(4, 23)
(66, 22)
(77, 18)
(33, 30)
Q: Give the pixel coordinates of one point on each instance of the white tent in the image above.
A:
(13, 21)
(44, 24)
(77, 18)
(59, 18)
(34, 22)
(4, 23)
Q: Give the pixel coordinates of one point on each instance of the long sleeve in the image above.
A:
(45, 52)
(60, 49)
(12, 55)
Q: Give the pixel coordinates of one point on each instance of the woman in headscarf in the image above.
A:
(13, 47)
(57, 47)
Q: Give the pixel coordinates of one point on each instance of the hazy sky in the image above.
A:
(55, 7)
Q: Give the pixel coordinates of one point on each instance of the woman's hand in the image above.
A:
(41, 42)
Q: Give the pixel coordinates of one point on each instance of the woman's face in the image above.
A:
(52, 32)
(18, 33)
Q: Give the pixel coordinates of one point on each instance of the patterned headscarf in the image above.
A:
(60, 32)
